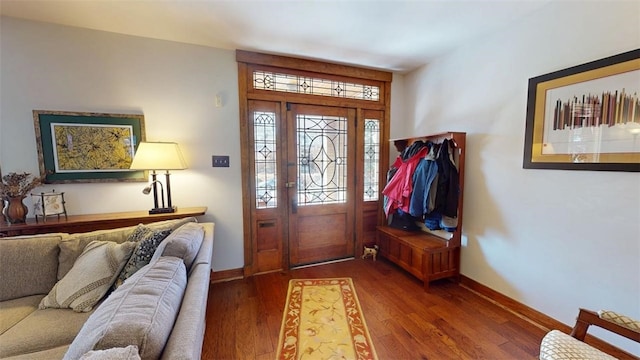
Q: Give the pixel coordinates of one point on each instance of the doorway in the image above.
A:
(320, 167)
(306, 208)
(311, 153)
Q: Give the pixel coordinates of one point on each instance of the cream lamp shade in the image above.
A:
(158, 156)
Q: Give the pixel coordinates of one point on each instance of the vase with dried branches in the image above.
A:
(13, 189)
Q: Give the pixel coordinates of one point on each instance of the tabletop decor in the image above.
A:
(323, 320)
(586, 117)
(13, 189)
(49, 204)
(88, 147)
(159, 156)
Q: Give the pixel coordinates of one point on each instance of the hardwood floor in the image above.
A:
(449, 322)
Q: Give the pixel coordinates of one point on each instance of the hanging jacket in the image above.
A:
(424, 175)
(448, 182)
(399, 188)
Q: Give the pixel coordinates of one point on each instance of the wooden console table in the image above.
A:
(84, 223)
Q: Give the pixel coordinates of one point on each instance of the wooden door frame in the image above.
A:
(247, 61)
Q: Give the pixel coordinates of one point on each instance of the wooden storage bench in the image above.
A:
(426, 256)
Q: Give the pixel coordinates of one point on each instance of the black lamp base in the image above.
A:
(165, 210)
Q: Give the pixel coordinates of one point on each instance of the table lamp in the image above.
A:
(158, 156)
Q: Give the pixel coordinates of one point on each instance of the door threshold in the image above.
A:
(322, 263)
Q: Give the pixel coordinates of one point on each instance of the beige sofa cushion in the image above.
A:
(42, 330)
(49, 354)
(28, 265)
(141, 312)
(13, 311)
(183, 243)
(90, 277)
(73, 245)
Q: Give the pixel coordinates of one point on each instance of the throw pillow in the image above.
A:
(171, 224)
(183, 243)
(121, 353)
(90, 278)
(72, 245)
(139, 233)
(147, 243)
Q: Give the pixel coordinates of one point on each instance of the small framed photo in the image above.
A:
(47, 204)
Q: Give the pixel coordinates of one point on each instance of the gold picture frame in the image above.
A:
(586, 117)
(76, 147)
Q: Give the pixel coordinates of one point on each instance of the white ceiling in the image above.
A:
(394, 35)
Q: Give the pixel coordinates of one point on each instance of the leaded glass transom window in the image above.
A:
(264, 133)
(322, 159)
(273, 81)
(371, 159)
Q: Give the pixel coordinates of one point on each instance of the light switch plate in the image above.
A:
(220, 161)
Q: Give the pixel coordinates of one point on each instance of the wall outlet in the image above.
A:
(220, 161)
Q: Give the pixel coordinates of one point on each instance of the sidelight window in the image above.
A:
(371, 159)
(266, 176)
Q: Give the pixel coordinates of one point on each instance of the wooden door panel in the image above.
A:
(323, 230)
(321, 216)
(268, 237)
(266, 178)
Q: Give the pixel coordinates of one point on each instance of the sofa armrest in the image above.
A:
(186, 339)
(587, 318)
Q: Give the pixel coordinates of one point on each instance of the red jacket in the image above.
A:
(398, 189)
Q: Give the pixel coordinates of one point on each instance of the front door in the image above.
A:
(311, 144)
(320, 184)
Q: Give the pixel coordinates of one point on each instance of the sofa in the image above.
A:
(137, 292)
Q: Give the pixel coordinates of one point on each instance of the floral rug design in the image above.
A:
(323, 320)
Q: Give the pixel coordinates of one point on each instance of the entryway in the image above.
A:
(315, 145)
(312, 150)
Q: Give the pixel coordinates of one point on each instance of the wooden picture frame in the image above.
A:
(76, 147)
(49, 204)
(586, 117)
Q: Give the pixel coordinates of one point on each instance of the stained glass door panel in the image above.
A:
(321, 164)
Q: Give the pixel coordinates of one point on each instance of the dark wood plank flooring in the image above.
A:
(449, 322)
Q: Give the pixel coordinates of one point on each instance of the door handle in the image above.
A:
(294, 206)
(290, 184)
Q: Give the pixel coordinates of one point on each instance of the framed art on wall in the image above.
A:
(586, 117)
(87, 147)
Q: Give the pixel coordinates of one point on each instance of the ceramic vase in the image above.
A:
(15, 212)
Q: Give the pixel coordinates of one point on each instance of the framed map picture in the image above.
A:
(87, 147)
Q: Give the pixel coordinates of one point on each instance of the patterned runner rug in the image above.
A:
(323, 320)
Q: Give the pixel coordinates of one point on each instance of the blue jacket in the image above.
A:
(423, 177)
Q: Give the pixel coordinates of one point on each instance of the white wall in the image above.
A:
(50, 67)
(398, 110)
(553, 240)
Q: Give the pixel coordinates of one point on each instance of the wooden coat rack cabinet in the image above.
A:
(428, 255)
